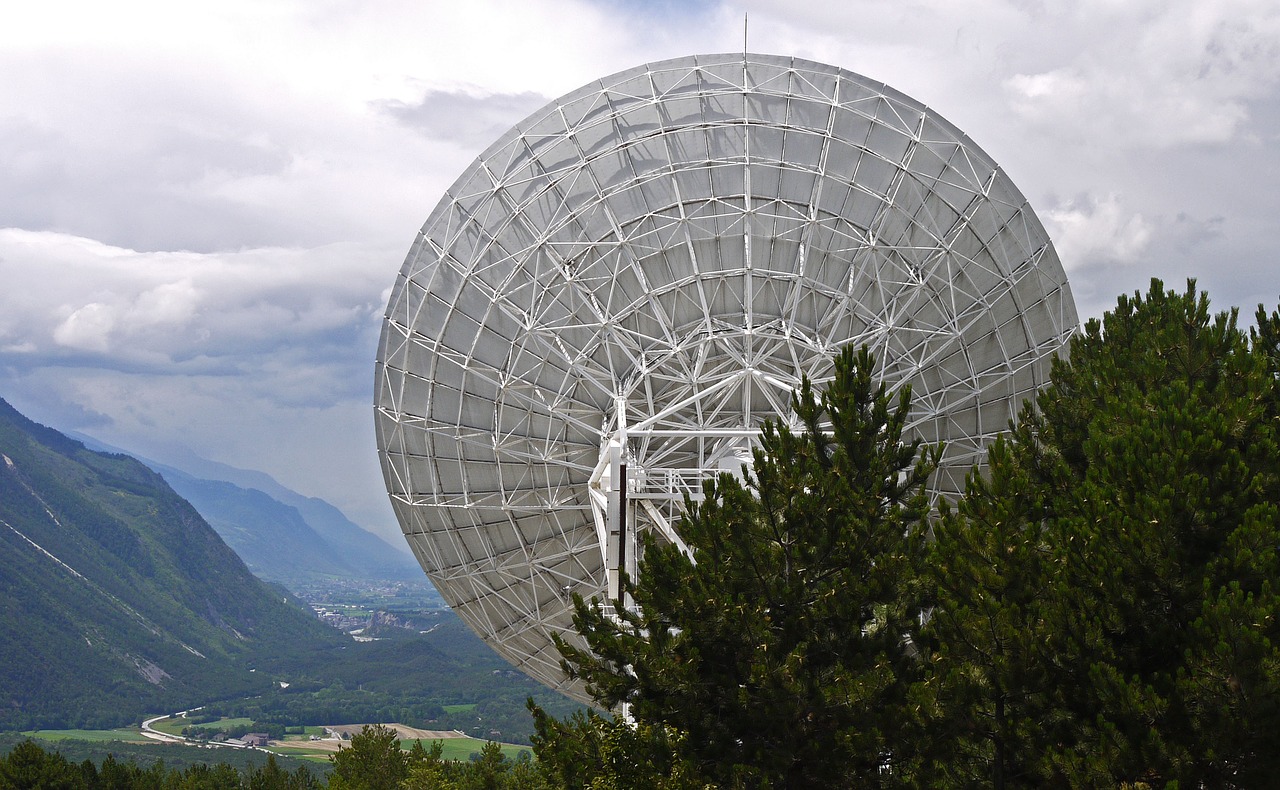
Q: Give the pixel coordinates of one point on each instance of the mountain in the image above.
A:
(298, 540)
(283, 536)
(117, 598)
(326, 519)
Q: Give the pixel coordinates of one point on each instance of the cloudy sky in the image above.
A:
(203, 205)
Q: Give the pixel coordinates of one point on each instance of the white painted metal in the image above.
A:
(637, 275)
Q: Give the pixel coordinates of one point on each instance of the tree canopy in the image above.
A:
(1107, 611)
(1098, 609)
(769, 656)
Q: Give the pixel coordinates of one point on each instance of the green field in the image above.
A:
(125, 735)
(459, 708)
(302, 752)
(463, 748)
(299, 746)
(306, 733)
(452, 749)
(175, 726)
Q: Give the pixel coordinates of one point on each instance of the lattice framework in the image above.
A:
(640, 273)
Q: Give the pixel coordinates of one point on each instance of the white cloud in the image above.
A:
(172, 303)
(1155, 74)
(98, 327)
(1089, 230)
(462, 116)
(87, 329)
(182, 312)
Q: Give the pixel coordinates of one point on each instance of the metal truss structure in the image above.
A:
(605, 307)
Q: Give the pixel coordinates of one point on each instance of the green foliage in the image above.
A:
(373, 761)
(448, 680)
(587, 750)
(273, 730)
(1106, 608)
(771, 656)
(992, 633)
(1099, 608)
(174, 756)
(29, 766)
(271, 776)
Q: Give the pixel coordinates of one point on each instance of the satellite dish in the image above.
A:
(605, 307)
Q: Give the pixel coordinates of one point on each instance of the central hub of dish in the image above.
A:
(681, 418)
(630, 497)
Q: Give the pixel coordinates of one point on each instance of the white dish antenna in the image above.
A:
(606, 306)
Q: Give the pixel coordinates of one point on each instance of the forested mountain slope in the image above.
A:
(287, 538)
(117, 598)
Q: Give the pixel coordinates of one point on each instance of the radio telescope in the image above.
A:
(606, 305)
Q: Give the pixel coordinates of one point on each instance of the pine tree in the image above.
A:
(590, 751)
(1106, 605)
(373, 761)
(783, 652)
(989, 687)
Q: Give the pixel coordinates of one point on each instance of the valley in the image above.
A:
(123, 601)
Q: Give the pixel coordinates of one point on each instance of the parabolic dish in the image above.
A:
(641, 272)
